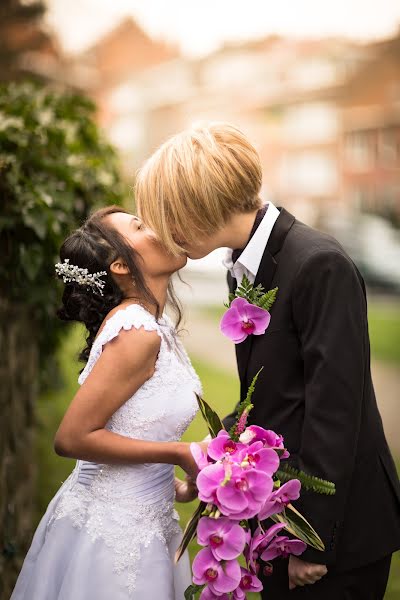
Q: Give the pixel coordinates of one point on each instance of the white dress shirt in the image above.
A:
(250, 259)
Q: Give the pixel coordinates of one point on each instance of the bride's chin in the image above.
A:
(180, 262)
(184, 260)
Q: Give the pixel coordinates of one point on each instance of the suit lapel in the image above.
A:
(265, 275)
(232, 283)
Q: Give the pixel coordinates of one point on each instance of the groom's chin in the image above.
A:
(196, 255)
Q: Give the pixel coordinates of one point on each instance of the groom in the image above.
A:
(200, 191)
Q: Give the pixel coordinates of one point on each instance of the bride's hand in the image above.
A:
(186, 460)
(185, 491)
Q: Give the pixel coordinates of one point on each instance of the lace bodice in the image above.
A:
(127, 506)
(163, 406)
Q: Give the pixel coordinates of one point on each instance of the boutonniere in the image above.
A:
(248, 311)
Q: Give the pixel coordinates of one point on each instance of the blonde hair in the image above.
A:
(195, 181)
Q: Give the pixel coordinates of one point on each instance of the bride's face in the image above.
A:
(156, 260)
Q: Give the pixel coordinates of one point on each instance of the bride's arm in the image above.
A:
(124, 365)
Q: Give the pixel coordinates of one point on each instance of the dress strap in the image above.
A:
(133, 315)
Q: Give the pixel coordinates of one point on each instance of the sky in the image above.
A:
(200, 26)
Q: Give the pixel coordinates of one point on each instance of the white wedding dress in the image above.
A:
(111, 531)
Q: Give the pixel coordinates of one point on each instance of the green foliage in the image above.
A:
(267, 299)
(190, 530)
(384, 330)
(54, 168)
(192, 590)
(255, 295)
(298, 526)
(308, 482)
(245, 405)
(213, 421)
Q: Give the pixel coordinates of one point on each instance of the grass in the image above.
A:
(220, 388)
(384, 331)
(54, 469)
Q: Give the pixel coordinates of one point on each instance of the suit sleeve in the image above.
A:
(329, 309)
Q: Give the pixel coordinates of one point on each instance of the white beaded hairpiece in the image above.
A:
(81, 276)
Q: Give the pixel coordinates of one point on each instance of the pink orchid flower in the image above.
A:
(220, 578)
(241, 495)
(199, 457)
(207, 594)
(257, 544)
(257, 457)
(270, 439)
(248, 583)
(223, 446)
(208, 481)
(280, 498)
(225, 538)
(237, 492)
(281, 545)
(243, 319)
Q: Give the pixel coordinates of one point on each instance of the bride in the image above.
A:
(111, 530)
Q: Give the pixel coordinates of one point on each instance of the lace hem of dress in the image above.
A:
(123, 525)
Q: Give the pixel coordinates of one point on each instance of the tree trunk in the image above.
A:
(18, 391)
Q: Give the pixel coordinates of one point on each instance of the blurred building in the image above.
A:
(324, 114)
(370, 150)
(29, 50)
(302, 123)
(26, 47)
(118, 57)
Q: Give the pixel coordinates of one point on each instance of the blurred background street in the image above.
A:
(315, 86)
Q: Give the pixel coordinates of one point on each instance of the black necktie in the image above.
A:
(259, 217)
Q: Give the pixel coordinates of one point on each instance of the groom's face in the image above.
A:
(200, 249)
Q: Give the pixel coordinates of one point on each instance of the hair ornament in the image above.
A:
(70, 273)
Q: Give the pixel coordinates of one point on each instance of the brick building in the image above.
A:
(121, 54)
(370, 155)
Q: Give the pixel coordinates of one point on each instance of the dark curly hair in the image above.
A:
(94, 246)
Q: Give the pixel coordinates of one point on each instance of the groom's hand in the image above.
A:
(185, 491)
(304, 573)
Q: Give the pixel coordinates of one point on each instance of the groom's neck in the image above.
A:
(237, 231)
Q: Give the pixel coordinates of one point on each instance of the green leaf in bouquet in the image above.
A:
(246, 405)
(213, 421)
(252, 387)
(190, 530)
(192, 590)
(308, 482)
(298, 526)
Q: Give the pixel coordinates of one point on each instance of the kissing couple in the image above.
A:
(111, 529)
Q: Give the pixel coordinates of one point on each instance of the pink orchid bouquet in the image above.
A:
(240, 478)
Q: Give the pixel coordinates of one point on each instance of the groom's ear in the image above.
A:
(119, 267)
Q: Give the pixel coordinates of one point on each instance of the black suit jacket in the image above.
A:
(316, 390)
